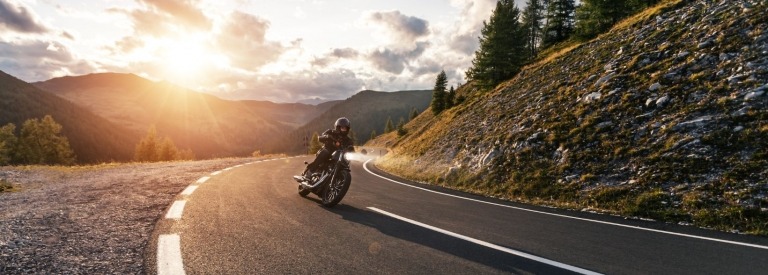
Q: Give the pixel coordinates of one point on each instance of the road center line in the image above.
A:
(202, 180)
(188, 191)
(365, 166)
(177, 208)
(169, 255)
(487, 244)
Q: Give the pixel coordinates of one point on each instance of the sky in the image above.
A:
(281, 51)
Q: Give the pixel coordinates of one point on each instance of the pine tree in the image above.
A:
(414, 114)
(168, 150)
(438, 93)
(353, 137)
(532, 17)
(373, 135)
(450, 97)
(41, 142)
(502, 47)
(401, 128)
(314, 143)
(389, 127)
(597, 16)
(148, 147)
(560, 21)
(7, 143)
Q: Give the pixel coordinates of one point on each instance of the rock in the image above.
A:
(489, 157)
(661, 102)
(592, 97)
(605, 79)
(649, 102)
(603, 125)
(683, 54)
(706, 44)
(738, 129)
(753, 95)
(655, 86)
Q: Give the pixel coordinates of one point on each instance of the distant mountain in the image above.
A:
(206, 124)
(93, 138)
(368, 111)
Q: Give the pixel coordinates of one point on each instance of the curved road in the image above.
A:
(250, 220)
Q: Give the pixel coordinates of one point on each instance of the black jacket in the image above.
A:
(329, 138)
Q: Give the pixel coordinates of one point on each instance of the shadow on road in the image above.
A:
(460, 248)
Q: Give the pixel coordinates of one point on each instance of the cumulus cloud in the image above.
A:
(294, 87)
(40, 60)
(401, 27)
(395, 60)
(243, 40)
(335, 55)
(18, 18)
(183, 11)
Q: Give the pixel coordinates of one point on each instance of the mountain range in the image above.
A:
(104, 115)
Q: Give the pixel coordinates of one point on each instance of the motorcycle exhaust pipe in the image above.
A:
(312, 187)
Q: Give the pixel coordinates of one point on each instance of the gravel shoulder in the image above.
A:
(89, 219)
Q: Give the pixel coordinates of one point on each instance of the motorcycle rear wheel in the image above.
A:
(336, 190)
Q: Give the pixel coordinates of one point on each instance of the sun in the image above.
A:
(187, 59)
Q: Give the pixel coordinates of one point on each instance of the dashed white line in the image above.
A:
(202, 180)
(487, 244)
(169, 255)
(365, 166)
(176, 210)
(188, 191)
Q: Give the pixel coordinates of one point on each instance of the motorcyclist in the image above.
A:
(332, 140)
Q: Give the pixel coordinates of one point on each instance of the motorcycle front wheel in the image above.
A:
(336, 190)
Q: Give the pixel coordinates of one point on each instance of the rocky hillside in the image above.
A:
(664, 117)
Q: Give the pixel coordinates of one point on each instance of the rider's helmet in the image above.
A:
(343, 125)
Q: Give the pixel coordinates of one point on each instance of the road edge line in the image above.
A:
(365, 166)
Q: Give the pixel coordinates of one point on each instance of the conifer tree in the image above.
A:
(7, 143)
(148, 147)
(168, 150)
(450, 97)
(314, 143)
(41, 142)
(560, 21)
(373, 135)
(597, 16)
(532, 16)
(438, 93)
(414, 114)
(502, 47)
(401, 128)
(389, 127)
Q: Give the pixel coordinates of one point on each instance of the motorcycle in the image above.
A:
(332, 182)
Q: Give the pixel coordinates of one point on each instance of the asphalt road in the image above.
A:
(250, 220)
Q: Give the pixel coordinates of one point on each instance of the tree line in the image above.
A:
(40, 141)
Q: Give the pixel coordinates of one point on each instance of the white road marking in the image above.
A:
(169, 260)
(487, 244)
(176, 210)
(188, 191)
(216, 173)
(239, 165)
(202, 180)
(365, 166)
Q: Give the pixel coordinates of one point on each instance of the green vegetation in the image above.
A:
(314, 144)
(439, 94)
(151, 148)
(39, 142)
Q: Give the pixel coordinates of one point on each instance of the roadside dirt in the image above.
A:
(91, 219)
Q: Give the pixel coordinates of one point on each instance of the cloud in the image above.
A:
(18, 18)
(40, 60)
(243, 40)
(395, 60)
(400, 26)
(294, 87)
(183, 11)
(335, 55)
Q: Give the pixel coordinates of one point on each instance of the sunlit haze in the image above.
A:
(283, 51)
